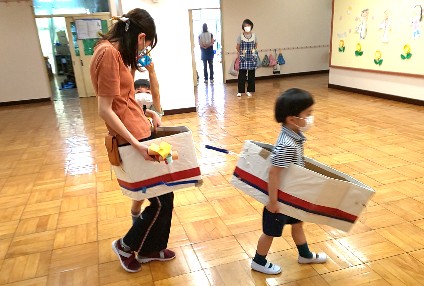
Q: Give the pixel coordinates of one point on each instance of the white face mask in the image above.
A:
(247, 29)
(144, 98)
(309, 122)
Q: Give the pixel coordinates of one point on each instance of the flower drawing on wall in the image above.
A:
(378, 60)
(359, 51)
(406, 52)
(342, 46)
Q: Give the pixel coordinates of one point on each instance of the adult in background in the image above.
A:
(247, 43)
(206, 42)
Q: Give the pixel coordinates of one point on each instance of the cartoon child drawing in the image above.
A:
(386, 27)
(362, 27)
(416, 21)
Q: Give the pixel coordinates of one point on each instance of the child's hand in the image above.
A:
(156, 120)
(273, 207)
(150, 67)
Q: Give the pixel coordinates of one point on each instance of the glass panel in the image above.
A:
(74, 38)
(89, 46)
(105, 27)
(55, 7)
(53, 39)
(196, 4)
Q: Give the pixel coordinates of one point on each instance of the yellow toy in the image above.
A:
(163, 152)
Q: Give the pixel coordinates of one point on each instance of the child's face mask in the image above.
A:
(144, 98)
(309, 122)
(247, 29)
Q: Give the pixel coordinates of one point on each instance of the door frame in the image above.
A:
(81, 63)
(192, 39)
(193, 60)
(77, 63)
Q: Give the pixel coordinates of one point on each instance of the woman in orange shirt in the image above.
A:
(112, 72)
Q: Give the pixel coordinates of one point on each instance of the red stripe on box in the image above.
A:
(291, 200)
(170, 177)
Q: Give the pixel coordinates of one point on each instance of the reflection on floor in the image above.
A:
(60, 210)
(58, 90)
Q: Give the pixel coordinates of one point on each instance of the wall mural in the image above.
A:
(379, 35)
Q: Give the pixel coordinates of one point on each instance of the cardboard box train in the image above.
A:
(140, 179)
(315, 193)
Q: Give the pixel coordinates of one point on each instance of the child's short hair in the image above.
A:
(141, 83)
(291, 103)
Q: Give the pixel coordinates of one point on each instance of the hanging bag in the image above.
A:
(258, 61)
(280, 59)
(272, 60)
(232, 71)
(237, 64)
(265, 61)
(276, 67)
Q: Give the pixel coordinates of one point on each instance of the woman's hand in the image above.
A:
(143, 149)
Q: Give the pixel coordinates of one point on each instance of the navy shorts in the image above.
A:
(273, 223)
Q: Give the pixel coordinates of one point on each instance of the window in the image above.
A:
(59, 7)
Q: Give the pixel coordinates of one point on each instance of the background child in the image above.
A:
(294, 110)
(147, 95)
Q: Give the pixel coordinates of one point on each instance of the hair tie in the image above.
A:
(123, 19)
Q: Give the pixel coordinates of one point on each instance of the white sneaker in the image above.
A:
(267, 269)
(211, 80)
(319, 257)
(248, 94)
(238, 94)
(206, 81)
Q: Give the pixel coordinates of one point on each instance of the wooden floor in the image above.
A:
(60, 210)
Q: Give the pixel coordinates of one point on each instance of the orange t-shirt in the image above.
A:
(110, 77)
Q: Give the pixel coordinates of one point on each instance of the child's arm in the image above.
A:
(154, 87)
(273, 185)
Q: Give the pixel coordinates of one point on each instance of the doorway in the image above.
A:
(67, 51)
(82, 31)
(55, 48)
(212, 17)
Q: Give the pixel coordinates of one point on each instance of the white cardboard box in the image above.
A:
(140, 179)
(316, 193)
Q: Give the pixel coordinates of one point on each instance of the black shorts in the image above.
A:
(273, 223)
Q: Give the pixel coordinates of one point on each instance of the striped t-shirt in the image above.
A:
(289, 149)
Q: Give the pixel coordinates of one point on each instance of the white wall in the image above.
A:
(172, 55)
(403, 86)
(23, 75)
(281, 24)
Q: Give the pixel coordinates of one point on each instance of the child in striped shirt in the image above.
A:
(293, 109)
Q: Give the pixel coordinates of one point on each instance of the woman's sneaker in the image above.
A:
(127, 258)
(163, 255)
(239, 94)
(319, 257)
(248, 94)
(268, 268)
